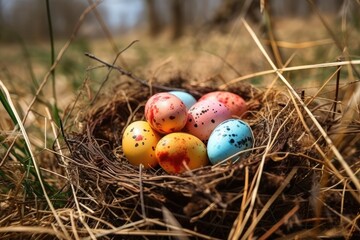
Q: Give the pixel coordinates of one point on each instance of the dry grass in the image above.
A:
(301, 179)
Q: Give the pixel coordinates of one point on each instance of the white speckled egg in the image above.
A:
(229, 138)
(234, 102)
(204, 116)
(139, 142)
(185, 97)
(165, 113)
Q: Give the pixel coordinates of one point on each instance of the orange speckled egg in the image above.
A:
(234, 102)
(165, 113)
(139, 143)
(176, 149)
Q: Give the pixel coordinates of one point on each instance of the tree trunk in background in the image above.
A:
(1, 19)
(153, 18)
(227, 10)
(270, 34)
(177, 18)
(230, 9)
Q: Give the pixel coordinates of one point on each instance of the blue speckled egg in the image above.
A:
(228, 138)
(185, 97)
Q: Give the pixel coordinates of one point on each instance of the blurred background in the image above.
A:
(199, 39)
(28, 19)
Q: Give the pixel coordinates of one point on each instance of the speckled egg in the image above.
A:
(139, 142)
(165, 113)
(175, 150)
(234, 102)
(185, 97)
(229, 138)
(204, 116)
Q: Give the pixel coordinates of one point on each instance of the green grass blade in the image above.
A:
(7, 106)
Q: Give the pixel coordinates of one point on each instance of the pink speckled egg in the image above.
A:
(165, 113)
(204, 116)
(234, 102)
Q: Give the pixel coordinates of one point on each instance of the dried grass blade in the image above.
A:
(187, 231)
(299, 45)
(32, 156)
(290, 69)
(256, 182)
(239, 219)
(32, 230)
(335, 151)
(171, 220)
(73, 226)
(269, 203)
(68, 175)
(276, 226)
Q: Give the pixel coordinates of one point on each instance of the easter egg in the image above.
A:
(229, 138)
(204, 116)
(175, 150)
(185, 97)
(165, 113)
(139, 142)
(234, 102)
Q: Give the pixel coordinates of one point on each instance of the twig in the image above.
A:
(141, 192)
(33, 230)
(106, 31)
(336, 92)
(276, 226)
(110, 70)
(131, 75)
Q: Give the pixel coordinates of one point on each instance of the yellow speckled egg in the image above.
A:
(176, 149)
(139, 143)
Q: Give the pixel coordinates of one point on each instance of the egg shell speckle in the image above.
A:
(139, 142)
(229, 138)
(234, 102)
(176, 149)
(165, 113)
(204, 116)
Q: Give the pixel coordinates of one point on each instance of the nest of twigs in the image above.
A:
(282, 189)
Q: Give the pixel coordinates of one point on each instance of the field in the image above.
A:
(63, 173)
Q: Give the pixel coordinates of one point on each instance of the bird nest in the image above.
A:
(282, 188)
